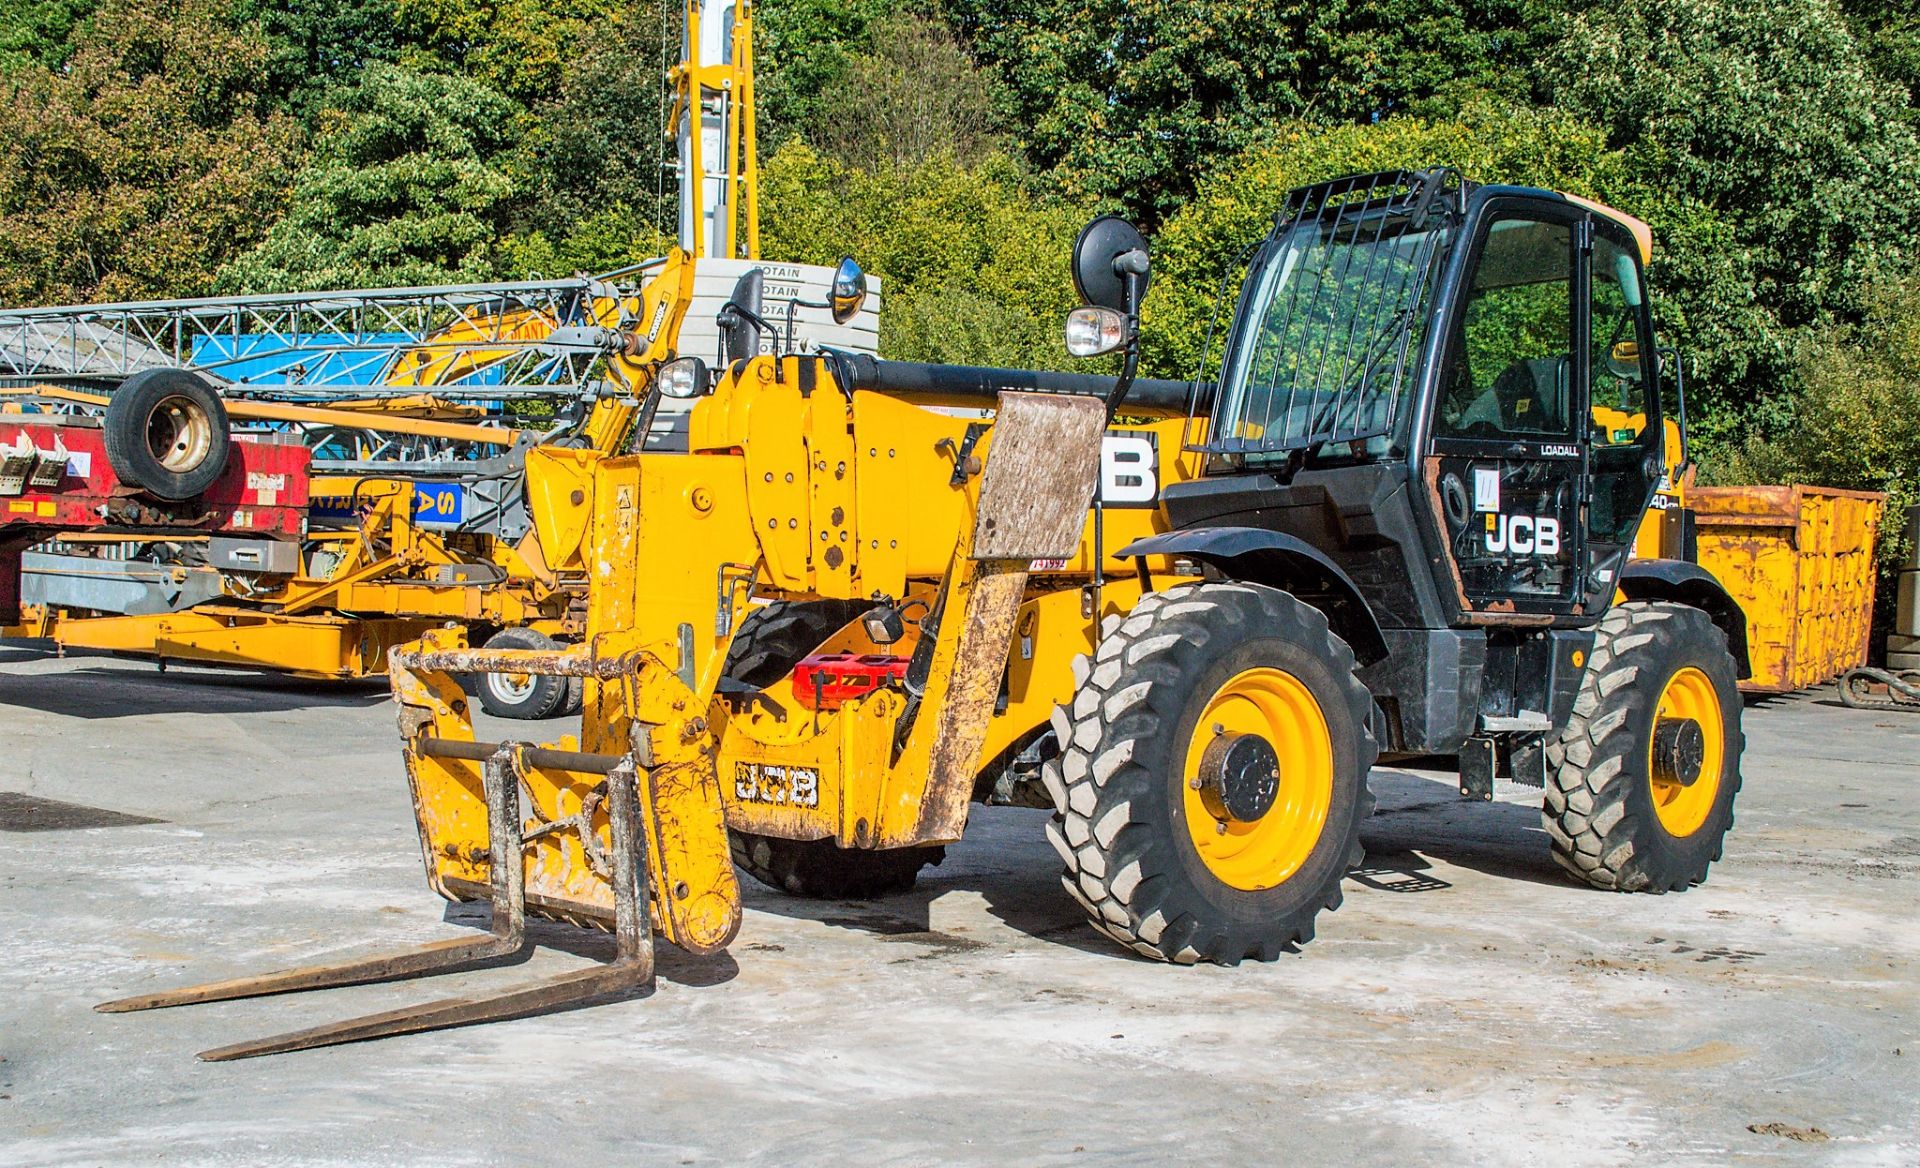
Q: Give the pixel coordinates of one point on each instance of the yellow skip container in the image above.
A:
(1799, 560)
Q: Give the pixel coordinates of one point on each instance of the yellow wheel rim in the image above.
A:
(1269, 849)
(1689, 694)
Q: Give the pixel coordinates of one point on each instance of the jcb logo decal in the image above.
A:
(1523, 534)
(1129, 471)
(781, 786)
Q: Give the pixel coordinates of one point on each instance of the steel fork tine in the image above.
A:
(632, 968)
(507, 930)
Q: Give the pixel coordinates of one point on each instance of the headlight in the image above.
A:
(1092, 331)
(684, 377)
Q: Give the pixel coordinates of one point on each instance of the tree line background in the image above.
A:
(159, 148)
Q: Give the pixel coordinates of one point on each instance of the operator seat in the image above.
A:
(1528, 397)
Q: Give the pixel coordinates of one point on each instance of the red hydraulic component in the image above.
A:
(825, 680)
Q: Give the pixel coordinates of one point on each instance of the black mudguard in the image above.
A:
(1281, 561)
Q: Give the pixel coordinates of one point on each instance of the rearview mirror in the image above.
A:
(739, 334)
(1109, 263)
(849, 290)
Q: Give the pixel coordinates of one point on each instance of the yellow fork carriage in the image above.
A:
(800, 488)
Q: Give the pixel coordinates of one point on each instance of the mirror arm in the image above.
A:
(1132, 267)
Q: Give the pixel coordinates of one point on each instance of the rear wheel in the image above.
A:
(522, 696)
(1640, 794)
(773, 639)
(1213, 775)
(768, 644)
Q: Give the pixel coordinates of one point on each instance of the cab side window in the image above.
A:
(1511, 371)
(1619, 385)
(1622, 418)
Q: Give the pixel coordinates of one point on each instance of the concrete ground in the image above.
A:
(1466, 1006)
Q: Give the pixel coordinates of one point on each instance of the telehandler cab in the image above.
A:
(1429, 505)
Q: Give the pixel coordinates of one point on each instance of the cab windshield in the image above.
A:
(1329, 311)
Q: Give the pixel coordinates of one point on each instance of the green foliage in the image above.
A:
(974, 265)
(1769, 113)
(520, 48)
(404, 187)
(802, 51)
(915, 96)
(590, 161)
(1889, 31)
(1134, 101)
(143, 163)
(39, 32)
(319, 45)
(1855, 421)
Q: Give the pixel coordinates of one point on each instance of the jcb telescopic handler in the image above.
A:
(1428, 505)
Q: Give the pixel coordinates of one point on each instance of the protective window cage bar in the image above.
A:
(1331, 304)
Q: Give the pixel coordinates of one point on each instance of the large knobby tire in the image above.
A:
(521, 696)
(166, 432)
(1192, 676)
(1618, 818)
(771, 640)
(766, 647)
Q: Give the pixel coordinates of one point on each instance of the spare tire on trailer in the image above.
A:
(167, 433)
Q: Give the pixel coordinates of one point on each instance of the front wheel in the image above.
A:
(1213, 775)
(1640, 792)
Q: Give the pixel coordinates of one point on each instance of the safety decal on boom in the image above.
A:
(434, 505)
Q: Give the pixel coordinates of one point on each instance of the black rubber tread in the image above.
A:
(773, 639)
(768, 644)
(547, 698)
(124, 432)
(822, 870)
(1119, 822)
(1598, 809)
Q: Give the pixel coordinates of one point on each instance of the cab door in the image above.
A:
(1507, 461)
(1625, 433)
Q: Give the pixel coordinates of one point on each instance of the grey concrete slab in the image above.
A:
(1466, 1005)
